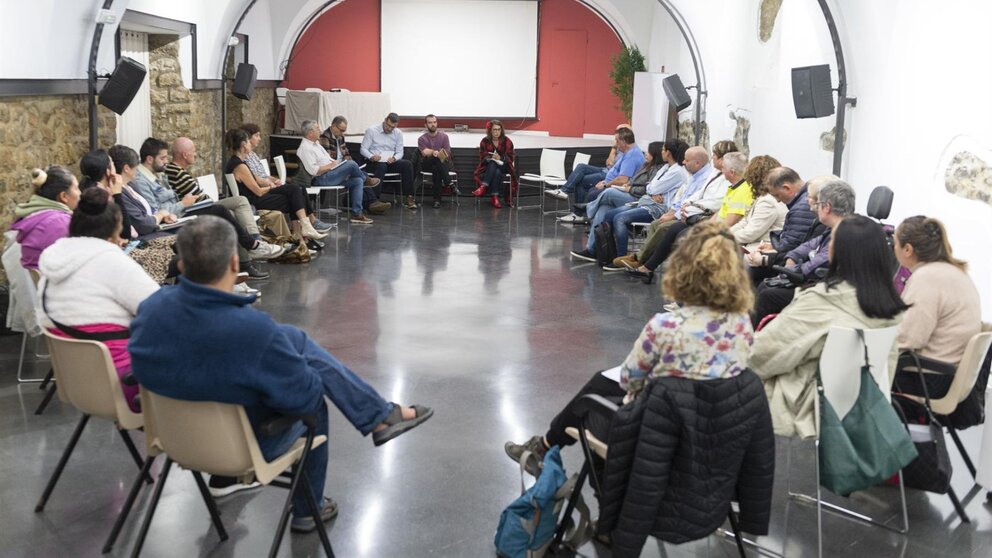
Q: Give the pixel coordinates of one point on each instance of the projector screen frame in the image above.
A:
(537, 77)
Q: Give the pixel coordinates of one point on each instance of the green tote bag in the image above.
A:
(868, 446)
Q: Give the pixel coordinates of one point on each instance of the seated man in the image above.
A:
(152, 185)
(382, 148)
(333, 140)
(833, 200)
(325, 171)
(282, 372)
(585, 182)
(435, 150)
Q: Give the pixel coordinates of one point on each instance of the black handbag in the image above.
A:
(931, 470)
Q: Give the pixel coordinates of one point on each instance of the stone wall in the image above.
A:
(37, 131)
(260, 110)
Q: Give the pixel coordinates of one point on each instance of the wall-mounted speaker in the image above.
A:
(678, 97)
(244, 81)
(124, 83)
(812, 92)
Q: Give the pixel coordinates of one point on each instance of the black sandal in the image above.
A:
(396, 425)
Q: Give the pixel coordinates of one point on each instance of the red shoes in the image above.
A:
(480, 191)
(495, 202)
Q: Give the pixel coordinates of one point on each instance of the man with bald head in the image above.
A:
(183, 183)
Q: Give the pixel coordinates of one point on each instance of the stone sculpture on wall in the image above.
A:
(969, 177)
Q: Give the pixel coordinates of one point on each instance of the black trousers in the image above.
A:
(288, 198)
(666, 245)
(439, 173)
(600, 427)
(245, 240)
(379, 169)
(770, 300)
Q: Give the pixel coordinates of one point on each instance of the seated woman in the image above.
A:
(651, 199)
(707, 337)
(736, 201)
(766, 214)
(45, 217)
(858, 294)
(89, 288)
(496, 159)
(944, 307)
(155, 253)
(287, 198)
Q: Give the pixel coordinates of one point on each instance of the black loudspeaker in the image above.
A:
(244, 81)
(678, 97)
(124, 83)
(812, 92)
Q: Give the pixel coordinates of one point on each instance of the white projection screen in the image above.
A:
(460, 58)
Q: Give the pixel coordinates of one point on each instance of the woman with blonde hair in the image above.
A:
(707, 337)
(944, 306)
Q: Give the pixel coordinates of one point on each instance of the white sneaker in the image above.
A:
(557, 193)
(570, 218)
(243, 288)
(671, 307)
(266, 251)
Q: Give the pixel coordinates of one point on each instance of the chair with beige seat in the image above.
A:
(86, 379)
(217, 439)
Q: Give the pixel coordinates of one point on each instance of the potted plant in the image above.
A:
(625, 64)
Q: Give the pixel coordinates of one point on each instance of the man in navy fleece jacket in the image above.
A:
(242, 356)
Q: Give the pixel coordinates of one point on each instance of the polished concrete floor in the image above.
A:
(476, 312)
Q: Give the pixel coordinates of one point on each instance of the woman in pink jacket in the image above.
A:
(45, 217)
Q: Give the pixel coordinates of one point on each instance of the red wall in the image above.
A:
(352, 29)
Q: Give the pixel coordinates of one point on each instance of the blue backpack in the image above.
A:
(527, 525)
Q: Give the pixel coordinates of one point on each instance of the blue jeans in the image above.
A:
(493, 177)
(581, 179)
(350, 176)
(620, 218)
(360, 404)
(607, 198)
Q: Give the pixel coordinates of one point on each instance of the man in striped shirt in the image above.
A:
(181, 181)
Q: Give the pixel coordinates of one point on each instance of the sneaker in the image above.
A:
(570, 218)
(220, 487)
(536, 446)
(671, 307)
(619, 262)
(379, 207)
(360, 219)
(322, 226)
(244, 289)
(306, 524)
(613, 267)
(253, 272)
(410, 203)
(584, 255)
(265, 251)
(313, 253)
(437, 205)
(315, 245)
(371, 181)
(557, 193)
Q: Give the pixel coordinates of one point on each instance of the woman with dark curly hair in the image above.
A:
(766, 214)
(496, 159)
(707, 337)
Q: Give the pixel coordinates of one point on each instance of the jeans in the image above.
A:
(360, 404)
(401, 166)
(351, 177)
(620, 218)
(606, 200)
(439, 173)
(493, 177)
(585, 176)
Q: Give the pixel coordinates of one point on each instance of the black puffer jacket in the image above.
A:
(680, 453)
(799, 226)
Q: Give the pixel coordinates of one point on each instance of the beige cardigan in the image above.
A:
(945, 313)
(787, 350)
(766, 215)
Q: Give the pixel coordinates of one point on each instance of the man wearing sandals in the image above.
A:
(248, 359)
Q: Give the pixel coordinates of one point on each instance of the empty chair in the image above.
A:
(232, 185)
(216, 438)
(552, 168)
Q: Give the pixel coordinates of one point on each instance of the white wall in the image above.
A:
(46, 39)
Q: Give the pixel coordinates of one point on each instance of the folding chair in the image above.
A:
(579, 159)
(426, 176)
(88, 381)
(840, 365)
(596, 404)
(232, 185)
(961, 387)
(217, 439)
(552, 168)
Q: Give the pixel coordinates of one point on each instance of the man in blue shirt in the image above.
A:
(586, 182)
(235, 354)
(382, 148)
